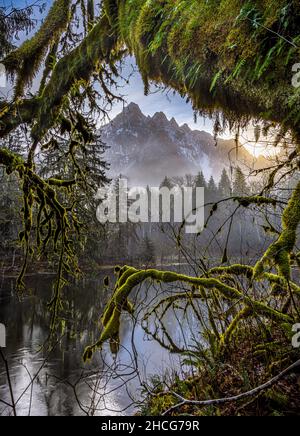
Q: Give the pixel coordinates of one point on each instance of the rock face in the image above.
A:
(146, 149)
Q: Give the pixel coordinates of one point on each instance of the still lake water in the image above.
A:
(62, 383)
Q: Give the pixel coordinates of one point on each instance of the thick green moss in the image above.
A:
(257, 200)
(11, 161)
(243, 314)
(53, 219)
(224, 55)
(279, 252)
(26, 60)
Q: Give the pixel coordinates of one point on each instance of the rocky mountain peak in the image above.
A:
(173, 123)
(186, 128)
(160, 118)
(146, 149)
(133, 109)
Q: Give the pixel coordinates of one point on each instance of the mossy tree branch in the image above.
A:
(236, 67)
(25, 61)
(280, 251)
(54, 222)
(132, 278)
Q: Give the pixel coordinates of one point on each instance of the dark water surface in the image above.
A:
(62, 383)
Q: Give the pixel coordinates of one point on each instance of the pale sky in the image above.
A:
(173, 105)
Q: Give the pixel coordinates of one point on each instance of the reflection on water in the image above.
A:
(62, 384)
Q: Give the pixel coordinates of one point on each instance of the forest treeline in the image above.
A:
(145, 243)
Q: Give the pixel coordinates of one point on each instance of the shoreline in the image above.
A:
(6, 274)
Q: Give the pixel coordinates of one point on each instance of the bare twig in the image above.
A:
(13, 404)
(255, 391)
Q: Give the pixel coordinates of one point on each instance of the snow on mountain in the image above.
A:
(146, 149)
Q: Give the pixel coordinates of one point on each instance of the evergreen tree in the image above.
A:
(188, 180)
(14, 20)
(10, 219)
(147, 251)
(123, 234)
(225, 189)
(240, 186)
(166, 183)
(212, 187)
(212, 190)
(200, 181)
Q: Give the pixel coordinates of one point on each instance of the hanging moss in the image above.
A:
(279, 252)
(90, 13)
(75, 67)
(215, 53)
(26, 60)
(53, 218)
(257, 200)
(78, 66)
(227, 57)
(111, 10)
(243, 314)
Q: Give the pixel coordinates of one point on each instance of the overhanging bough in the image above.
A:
(129, 278)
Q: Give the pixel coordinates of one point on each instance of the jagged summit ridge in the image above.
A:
(147, 148)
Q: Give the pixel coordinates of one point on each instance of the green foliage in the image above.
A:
(49, 223)
(12, 21)
(212, 187)
(225, 188)
(147, 253)
(239, 184)
(10, 219)
(200, 181)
